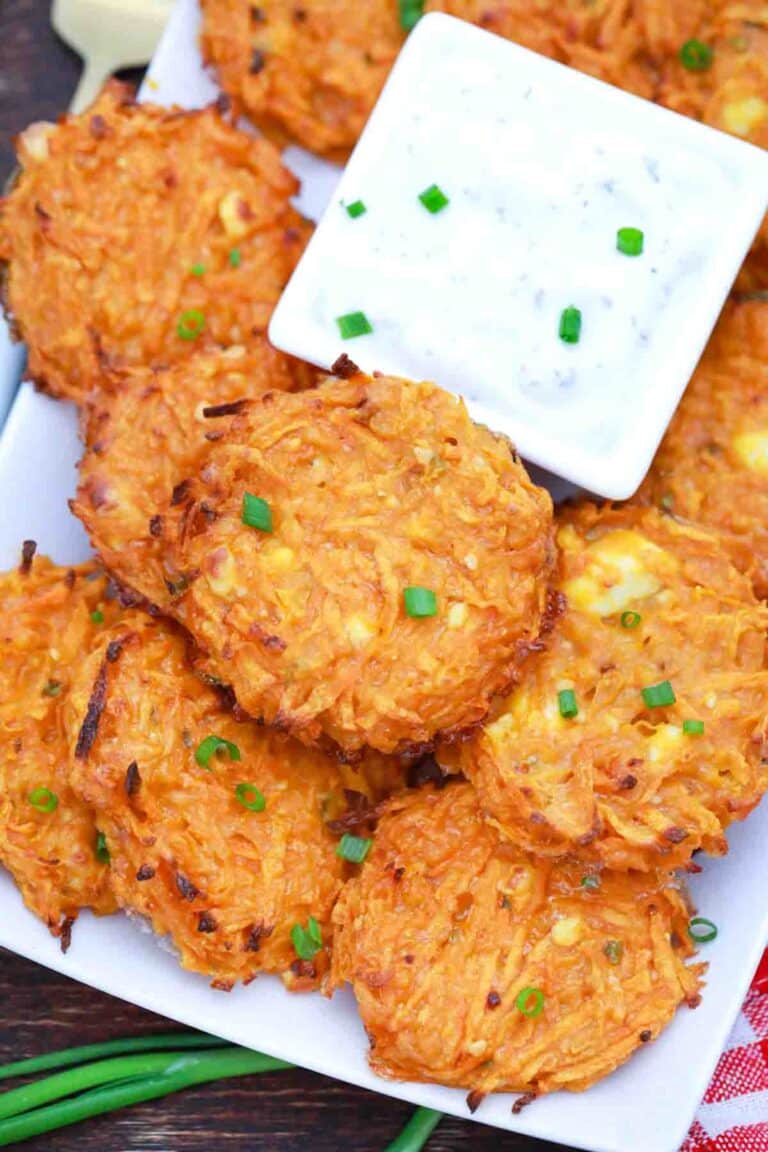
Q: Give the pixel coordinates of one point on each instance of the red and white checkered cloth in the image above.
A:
(733, 1116)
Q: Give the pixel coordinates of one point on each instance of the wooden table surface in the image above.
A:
(42, 1011)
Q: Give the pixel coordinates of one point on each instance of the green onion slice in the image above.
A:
(419, 602)
(659, 695)
(250, 797)
(191, 324)
(212, 745)
(434, 199)
(693, 727)
(630, 241)
(696, 56)
(566, 701)
(613, 950)
(701, 930)
(52, 688)
(355, 209)
(570, 325)
(591, 882)
(353, 848)
(43, 799)
(411, 11)
(197, 270)
(101, 851)
(235, 258)
(308, 941)
(97, 616)
(630, 619)
(530, 1002)
(256, 513)
(353, 324)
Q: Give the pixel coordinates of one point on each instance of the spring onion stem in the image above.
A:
(182, 1071)
(416, 1132)
(69, 1056)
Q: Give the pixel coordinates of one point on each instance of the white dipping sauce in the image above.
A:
(541, 166)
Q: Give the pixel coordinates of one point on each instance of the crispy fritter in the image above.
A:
(374, 486)
(46, 628)
(145, 441)
(130, 223)
(712, 466)
(636, 45)
(309, 72)
(446, 925)
(623, 783)
(226, 882)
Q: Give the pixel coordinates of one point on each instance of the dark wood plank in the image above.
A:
(42, 1011)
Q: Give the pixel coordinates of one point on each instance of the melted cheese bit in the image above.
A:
(752, 450)
(622, 568)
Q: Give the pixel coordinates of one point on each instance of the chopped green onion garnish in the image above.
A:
(530, 1002)
(434, 199)
(630, 619)
(308, 941)
(101, 850)
(97, 616)
(592, 882)
(52, 688)
(197, 269)
(211, 745)
(667, 502)
(43, 799)
(256, 513)
(566, 700)
(570, 325)
(249, 796)
(695, 56)
(354, 324)
(353, 848)
(613, 950)
(191, 324)
(411, 11)
(235, 258)
(419, 602)
(659, 695)
(701, 931)
(693, 727)
(630, 241)
(355, 209)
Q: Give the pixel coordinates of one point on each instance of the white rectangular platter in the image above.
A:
(646, 1106)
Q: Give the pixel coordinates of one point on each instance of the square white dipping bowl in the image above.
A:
(541, 166)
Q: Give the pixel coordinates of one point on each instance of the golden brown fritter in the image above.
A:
(625, 783)
(148, 438)
(132, 225)
(308, 71)
(447, 925)
(636, 45)
(48, 838)
(374, 486)
(226, 881)
(712, 466)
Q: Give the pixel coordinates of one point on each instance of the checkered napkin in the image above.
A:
(733, 1116)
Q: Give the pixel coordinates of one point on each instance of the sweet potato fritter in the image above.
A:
(447, 926)
(312, 72)
(374, 486)
(636, 45)
(712, 466)
(226, 881)
(48, 838)
(132, 227)
(626, 782)
(146, 441)
(309, 71)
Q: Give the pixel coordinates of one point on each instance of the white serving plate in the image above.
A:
(646, 1106)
